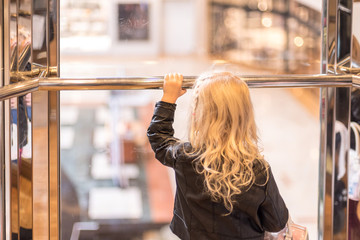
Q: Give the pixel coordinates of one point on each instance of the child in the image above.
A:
(224, 187)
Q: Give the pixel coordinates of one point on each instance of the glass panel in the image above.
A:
(21, 170)
(104, 151)
(13, 40)
(340, 181)
(14, 176)
(24, 36)
(14, 142)
(355, 55)
(354, 164)
(21, 167)
(144, 38)
(2, 131)
(346, 3)
(344, 37)
(25, 167)
(111, 184)
(288, 125)
(39, 44)
(354, 169)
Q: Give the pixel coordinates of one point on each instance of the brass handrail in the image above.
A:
(27, 85)
(356, 80)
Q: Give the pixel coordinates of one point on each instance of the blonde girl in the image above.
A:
(224, 187)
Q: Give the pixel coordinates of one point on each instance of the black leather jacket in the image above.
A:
(196, 216)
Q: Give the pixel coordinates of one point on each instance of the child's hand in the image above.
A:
(172, 89)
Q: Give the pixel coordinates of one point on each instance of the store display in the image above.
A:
(113, 203)
(277, 35)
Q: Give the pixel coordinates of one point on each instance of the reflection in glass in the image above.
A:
(344, 37)
(14, 198)
(39, 58)
(14, 141)
(13, 39)
(346, 3)
(24, 36)
(354, 169)
(355, 55)
(25, 167)
(340, 183)
(21, 170)
(354, 164)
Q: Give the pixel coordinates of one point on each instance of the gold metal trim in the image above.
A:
(133, 83)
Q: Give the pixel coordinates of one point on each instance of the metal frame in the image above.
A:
(335, 111)
(56, 84)
(6, 117)
(54, 122)
(331, 87)
(2, 136)
(14, 13)
(356, 81)
(44, 83)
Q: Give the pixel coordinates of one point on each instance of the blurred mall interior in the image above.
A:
(111, 185)
(106, 161)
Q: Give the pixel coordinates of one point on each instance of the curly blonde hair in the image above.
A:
(224, 137)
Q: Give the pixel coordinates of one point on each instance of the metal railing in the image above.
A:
(133, 83)
(356, 81)
(329, 107)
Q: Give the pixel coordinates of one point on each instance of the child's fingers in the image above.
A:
(173, 81)
(174, 77)
(172, 87)
(179, 77)
(179, 80)
(182, 92)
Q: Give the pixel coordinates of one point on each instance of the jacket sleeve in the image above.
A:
(273, 211)
(161, 133)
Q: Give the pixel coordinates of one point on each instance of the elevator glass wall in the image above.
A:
(111, 185)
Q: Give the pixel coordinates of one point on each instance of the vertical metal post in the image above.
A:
(2, 136)
(25, 158)
(6, 111)
(325, 168)
(354, 230)
(355, 51)
(46, 123)
(29, 147)
(40, 155)
(335, 112)
(40, 123)
(12, 126)
(54, 122)
(323, 202)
